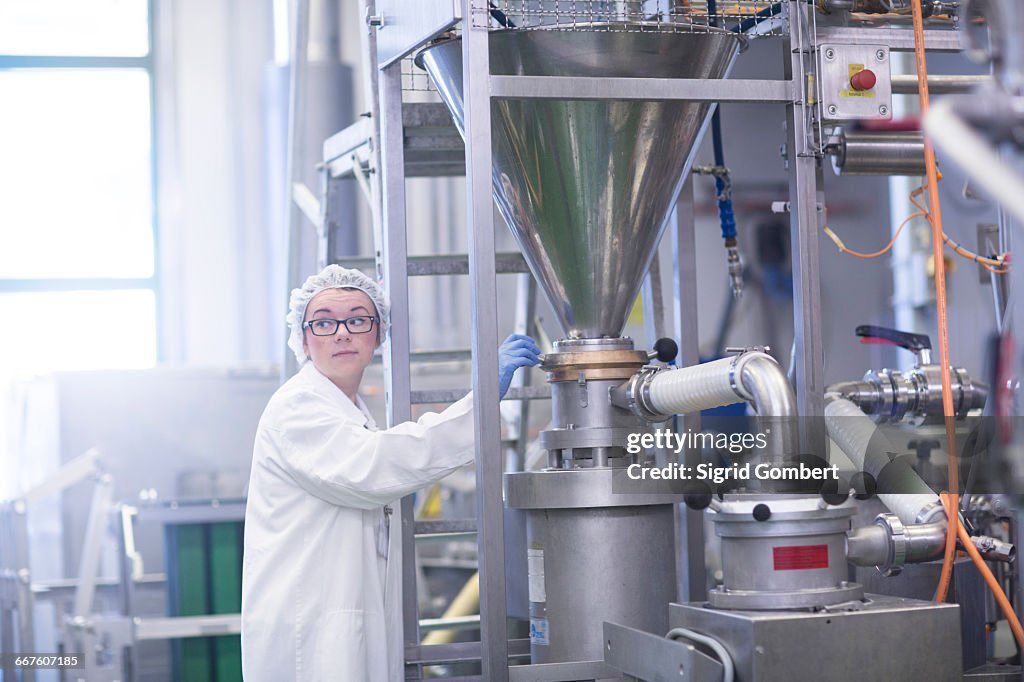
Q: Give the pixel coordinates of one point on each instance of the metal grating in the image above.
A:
(415, 79)
(753, 17)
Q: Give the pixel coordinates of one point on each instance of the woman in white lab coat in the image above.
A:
(321, 582)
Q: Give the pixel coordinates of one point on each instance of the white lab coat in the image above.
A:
(321, 580)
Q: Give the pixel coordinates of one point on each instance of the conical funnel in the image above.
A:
(587, 186)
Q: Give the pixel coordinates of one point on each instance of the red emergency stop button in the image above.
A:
(864, 79)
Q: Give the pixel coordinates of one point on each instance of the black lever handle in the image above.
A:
(916, 343)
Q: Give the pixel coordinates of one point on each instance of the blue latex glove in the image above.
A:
(516, 351)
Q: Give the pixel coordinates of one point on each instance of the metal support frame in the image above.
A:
(691, 575)
(806, 203)
(126, 629)
(16, 600)
(296, 160)
(392, 256)
(386, 182)
(483, 306)
(898, 39)
(690, 89)
(89, 564)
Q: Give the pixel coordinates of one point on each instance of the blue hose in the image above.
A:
(725, 213)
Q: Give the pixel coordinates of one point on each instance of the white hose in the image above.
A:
(695, 388)
(852, 431)
(728, 671)
(979, 159)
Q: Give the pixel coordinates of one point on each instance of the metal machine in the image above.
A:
(580, 119)
(577, 181)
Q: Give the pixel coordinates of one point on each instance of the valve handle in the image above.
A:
(915, 343)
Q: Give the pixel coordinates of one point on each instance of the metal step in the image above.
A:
(454, 264)
(458, 355)
(430, 397)
(459, 652)
(433, 147)
(445, 527)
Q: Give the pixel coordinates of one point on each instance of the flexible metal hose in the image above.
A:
(752, 376)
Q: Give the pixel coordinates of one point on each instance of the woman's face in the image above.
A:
(343, 356)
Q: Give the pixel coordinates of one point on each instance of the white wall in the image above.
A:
(213, 226)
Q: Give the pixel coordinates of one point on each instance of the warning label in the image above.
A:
(800, 557)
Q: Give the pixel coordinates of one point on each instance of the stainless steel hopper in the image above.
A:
(587, 186)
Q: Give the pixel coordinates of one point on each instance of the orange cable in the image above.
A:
(997, 265)
(953, 519)
(990, 580)
(881, 252)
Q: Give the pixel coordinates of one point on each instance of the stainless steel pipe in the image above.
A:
(888, 545)
(906, 84)
(863, 153)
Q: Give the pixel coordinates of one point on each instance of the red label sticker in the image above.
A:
(800, 557)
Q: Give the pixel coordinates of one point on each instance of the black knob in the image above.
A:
(831, 494)
(864, 484)
(667, 349)
(762, 512)
(698, 496)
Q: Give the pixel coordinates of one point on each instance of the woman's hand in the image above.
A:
(516, 351)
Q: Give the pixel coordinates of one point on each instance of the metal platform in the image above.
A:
(433, 147)
(881, 638)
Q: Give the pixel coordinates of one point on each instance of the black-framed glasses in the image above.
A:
(360, 324)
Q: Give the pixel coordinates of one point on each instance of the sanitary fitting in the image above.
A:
(994, 549)
(888, 544)
(655, 393)
(735, 264)
(896, 533)
(889, 395)
(635, 395)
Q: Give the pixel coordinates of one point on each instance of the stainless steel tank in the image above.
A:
(586, 186)
(781, 552)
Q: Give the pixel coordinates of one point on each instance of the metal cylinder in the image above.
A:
(782, 553)
(594, 555)
(862, 153)
(586, 429)
(597, 565)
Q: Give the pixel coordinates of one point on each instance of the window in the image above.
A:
(77, 219)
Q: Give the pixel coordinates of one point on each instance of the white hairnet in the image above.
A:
(332, 277)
